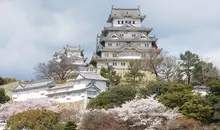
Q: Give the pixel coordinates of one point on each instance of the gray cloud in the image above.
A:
(30, 32)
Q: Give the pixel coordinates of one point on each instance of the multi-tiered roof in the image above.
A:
(126, 39)
(73, 52)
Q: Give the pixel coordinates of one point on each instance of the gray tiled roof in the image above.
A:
(39, 83)
(34, 84)
(92, 75)
(135, 28)
(64, 85)
(200, 87)
(120, 12)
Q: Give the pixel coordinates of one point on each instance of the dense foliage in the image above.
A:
(114, 97)
(3, 97)
(110, 73)
(188, 63)
(6, 80)
(33, 119)
(134, 74)
(71, 125)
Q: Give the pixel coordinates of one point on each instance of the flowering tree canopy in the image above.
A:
(10, 108)
(145, 114)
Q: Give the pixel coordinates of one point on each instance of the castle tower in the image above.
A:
(72, 52)
(125, 40)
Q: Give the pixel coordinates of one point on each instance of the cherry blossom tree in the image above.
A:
(143, 114)
(10, 108)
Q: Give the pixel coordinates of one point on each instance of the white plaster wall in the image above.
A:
(2, 126)
(72, 97)
(201, 91)
(70, 54)
(110, 63)
(31, 94)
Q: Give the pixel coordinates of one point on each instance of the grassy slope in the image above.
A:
(9, 87)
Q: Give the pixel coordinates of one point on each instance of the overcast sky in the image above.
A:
(31, 31)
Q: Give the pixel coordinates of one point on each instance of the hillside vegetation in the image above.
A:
(9, 88)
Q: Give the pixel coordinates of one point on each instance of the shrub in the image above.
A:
(198, 109)
(59, 126)
(114, 97)
(3, 97)
(182, 124)
(152, 87)
(69, 114)
(33, 119)
(100, 120)
(71, 125)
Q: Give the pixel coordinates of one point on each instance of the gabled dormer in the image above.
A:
(142, 37)
(113, 36)
(127, 27)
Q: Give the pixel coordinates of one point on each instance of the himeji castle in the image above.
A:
(124, 40)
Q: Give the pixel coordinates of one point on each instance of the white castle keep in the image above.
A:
(125, 40)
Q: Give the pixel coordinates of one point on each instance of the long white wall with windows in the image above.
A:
(86, 85)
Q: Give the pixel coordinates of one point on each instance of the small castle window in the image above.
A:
(106, 55)
(121, 35)
(146, 45)
(109, 44)
(133, 35)
(113, 36)
(106, 63)
(117, 44)
(114, 55)
(122, 22)
(118, 22)
(129, 22)
(114, 64)
(133, 22)
(143, 55)
(142, 36)
(122, 64)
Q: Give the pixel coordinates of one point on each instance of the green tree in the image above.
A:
(214, 86)
(152, 87)
(2, 81)
(188, 63)
(175, 95)
(134, 74)
(33, 120)
(113, 97)
(3, 97)
(71, 125)
(198, 109)
(214, 99)
(204, 72)
(109, 73)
